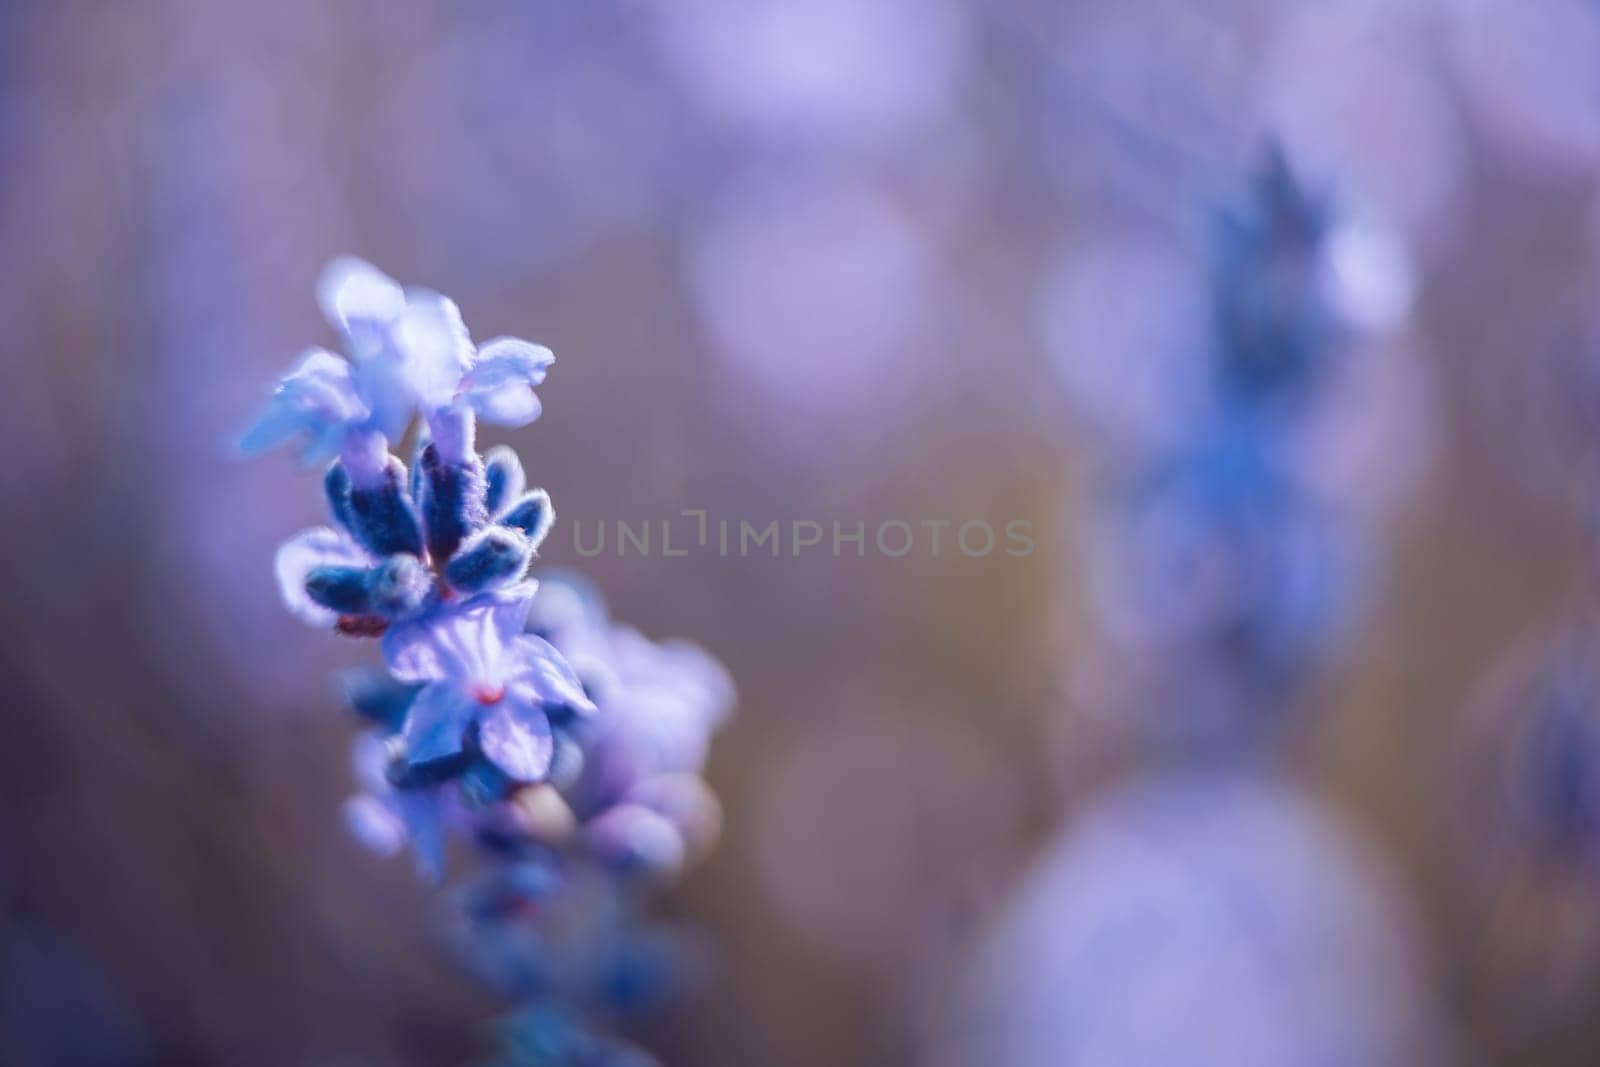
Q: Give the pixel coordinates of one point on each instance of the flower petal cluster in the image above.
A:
(640, 803)
(407, 354)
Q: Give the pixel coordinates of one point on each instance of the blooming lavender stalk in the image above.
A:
(567, 749)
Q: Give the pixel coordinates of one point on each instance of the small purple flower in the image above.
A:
(661, 701)
(444, 372)
(326, 399)
(645, 813)
(408, 354)
(487, 686)
(318, 400)
(499, 384)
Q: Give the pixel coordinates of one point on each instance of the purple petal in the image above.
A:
(358, 298)
(423, 813)
(316, 547)
(382, 381)
(680, 668)
(508, 361)
(499, 387)
(544, 675)
(671, 697)
(517, 740)
(375, 824)
(465, 641)
(369, 759)
(317, 399)
(435, 348)
(436, 723)
(509, 405)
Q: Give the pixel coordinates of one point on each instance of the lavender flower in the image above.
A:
(642, 807)
(578, 778)
(486, 686)
(1222, 571)
(409, 354)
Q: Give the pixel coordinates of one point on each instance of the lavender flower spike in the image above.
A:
(580, 786)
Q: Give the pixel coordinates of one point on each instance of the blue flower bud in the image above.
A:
(503, 472)
(532, 514)
(399, 586)
(375, 695)
(336, 487)
(382, 516)
(489, 559)
(415, 481)
(452, 501)
(341, 589)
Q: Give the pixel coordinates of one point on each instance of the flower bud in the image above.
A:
(542, 814)
(336, 487)
(490, 558)
(686, 802)
(399, 585)
(341, 589)
(532, 514)
(636, 842)
(502, 471)
(452, 501)
(382, 516)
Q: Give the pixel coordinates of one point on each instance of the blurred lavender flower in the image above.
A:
(581, 789)
(642, 807)
(1224, 569)
(386, 818)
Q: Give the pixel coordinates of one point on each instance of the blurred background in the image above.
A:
(820, 260)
